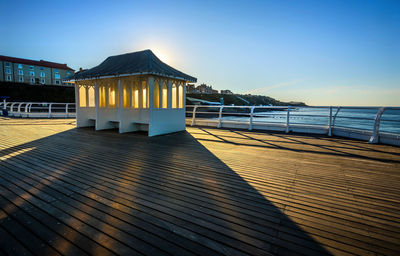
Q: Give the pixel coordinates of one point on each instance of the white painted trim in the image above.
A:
(132, 74)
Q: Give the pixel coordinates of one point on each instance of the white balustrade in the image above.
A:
(37, 110)
(290, 124)
(63, 110)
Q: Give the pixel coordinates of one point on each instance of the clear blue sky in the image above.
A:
(319, 52)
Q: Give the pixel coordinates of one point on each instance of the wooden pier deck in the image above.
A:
(67, 191)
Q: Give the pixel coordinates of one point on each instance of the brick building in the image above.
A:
(32, 71)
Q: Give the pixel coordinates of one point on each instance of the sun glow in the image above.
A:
(161, 46)
(161, 55)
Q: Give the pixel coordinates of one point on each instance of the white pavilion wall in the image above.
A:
(144, 103)
(85, 104)
(107, 104)
(170, 117)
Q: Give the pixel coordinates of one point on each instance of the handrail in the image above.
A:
(220, 116)
(330, 121)
(194, 115)
(251, 118)
(374, 137)
(293, 120)
(50, 109)
(39, 109)
(288, 120)
(290, 114)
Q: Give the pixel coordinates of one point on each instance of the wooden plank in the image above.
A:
(25, 238)
(231, 252)
(213, 190)
(50, 239)
(10, 246)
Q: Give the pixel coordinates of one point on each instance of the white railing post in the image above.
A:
(330, 121)
(26, 109)
(12, 108)
(251, 118)
(19, 108)
(49, 115)
(334, 117)
(220, 117)
(288, 119)
(194, 115)
(375, 133)
(66, 110)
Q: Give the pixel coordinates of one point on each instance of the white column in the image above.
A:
(96, 100)
(120, 96)
(140, 89)
(177, 94)
(160, 92)
(107, 92)
(151, 92)
(169, 86)
(87, 95)
(96, 95)
(76, 104)
(184, 96)
(76, 95)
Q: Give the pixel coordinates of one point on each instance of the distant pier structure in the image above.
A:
(132, 92)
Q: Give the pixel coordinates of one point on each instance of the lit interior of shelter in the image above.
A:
(132, 92)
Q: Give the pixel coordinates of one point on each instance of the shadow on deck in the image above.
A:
(84, 192)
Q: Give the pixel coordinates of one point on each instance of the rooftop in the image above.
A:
(42, 63)
(75, 191)
(135, 63)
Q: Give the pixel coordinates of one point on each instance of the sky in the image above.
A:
(317, 52)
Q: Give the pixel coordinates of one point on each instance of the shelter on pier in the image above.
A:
(132, 92)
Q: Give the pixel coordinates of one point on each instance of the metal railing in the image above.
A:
(276, 118)
(300, 119)
(39, 110)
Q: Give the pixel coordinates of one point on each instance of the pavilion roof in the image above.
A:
(135, 63)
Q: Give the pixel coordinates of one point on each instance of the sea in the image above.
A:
(363, 119)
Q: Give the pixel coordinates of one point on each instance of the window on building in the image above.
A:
(42, 81)
(42, 74)
(7, 64)
(180, 91)
(156, 95)
(56, 71)
(165, 95)
(41, 68)
(68, 73)
(57, 82)
(31, 67)
(21, 79)
(144, 94)
(57, 76)
(135, 96)
(112, 96)
(32, 80)
(20, 72)
(91, 96)
(102, 96)
(174, 98)
(82, 96)
(19, 65)
(8, 78)
(32, 73)
(8, 71)
(127, 95)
